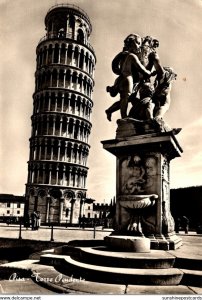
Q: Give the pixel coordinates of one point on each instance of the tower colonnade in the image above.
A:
(66, 53)
(63, 102)
(61, 126)
(59, 151)
(57, 174)
(64, 78)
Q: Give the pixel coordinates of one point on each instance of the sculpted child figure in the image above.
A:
(128, 66)
(154, 96)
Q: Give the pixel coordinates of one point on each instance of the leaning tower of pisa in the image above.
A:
(62, 106)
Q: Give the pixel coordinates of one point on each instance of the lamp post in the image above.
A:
(52, 239)
(94, 229)
(20, 229)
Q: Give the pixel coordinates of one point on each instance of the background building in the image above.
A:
(11, 207)
(99, 214)
(62, 101)
(187, 202)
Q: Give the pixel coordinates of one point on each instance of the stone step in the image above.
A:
(192, 277)
(191, 263)
(159, 290)
(69, 266)
(24, 287)
(156, 259)
(51, 279)
(21, 267)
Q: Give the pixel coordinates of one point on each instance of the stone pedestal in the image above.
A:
(143, 182)
(128, 243)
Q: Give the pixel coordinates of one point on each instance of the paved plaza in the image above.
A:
(60, 234)
(191, 247)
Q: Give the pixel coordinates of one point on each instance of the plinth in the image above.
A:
(143, 156)
(128, 243)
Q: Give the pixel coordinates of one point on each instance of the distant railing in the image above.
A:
(70, 6)
(59, 36)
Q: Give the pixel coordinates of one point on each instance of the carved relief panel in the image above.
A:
(138, 174)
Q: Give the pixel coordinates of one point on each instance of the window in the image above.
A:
(8, 205)
(80, 36)
(88, 215)
(89, 207)
(18, 212)
(8, 212)
(95, 216)
(18, 205)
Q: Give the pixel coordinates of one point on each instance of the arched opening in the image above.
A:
(81, 61)
(48, 79)
(54, 78)
(74, 81)
(61, 79)
(69, 55)
(59, 102)
(67, 79)
(56, 54)
(46, 171)
(76, 55)
(44, 55)
(62, 54)
(73, 103)
(80, 36)
(86, 61)
(43, 80)
(50, 52)
(71, 28)
(80, 83)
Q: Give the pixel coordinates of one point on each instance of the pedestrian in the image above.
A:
(26, 221)
(34, 220)
(177, 225)
(185, 224)
(83, 222)
(38, 220)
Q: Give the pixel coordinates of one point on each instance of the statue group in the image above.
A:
(142, 80)
(144, 144)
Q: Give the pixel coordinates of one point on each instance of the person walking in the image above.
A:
(177, 225)
(26, 221)
(185, 224)
(38, 220)
(34, 220)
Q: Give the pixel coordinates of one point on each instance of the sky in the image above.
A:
(177, 24)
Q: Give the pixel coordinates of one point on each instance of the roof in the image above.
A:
(11, 198)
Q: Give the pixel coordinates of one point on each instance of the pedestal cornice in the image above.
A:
(163, 142)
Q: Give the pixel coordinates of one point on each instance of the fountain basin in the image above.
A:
(137, 201)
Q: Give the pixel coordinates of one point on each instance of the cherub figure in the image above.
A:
(153, 97)
(128, 66)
